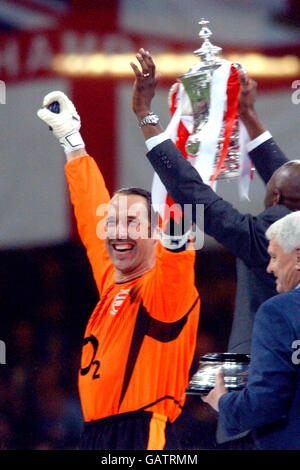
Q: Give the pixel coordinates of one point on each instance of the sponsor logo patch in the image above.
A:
(118, 301)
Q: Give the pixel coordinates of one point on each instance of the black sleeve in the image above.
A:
(242, 234)
(267, 158)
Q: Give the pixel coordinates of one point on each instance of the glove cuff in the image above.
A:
(71, 142)
(175, 242)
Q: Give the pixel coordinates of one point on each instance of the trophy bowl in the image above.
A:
(234, 366)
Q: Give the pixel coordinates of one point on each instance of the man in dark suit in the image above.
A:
(270, 403)
(242, 234)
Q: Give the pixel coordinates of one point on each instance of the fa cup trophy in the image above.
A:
(197, 83)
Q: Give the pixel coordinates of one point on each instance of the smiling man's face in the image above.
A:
(128, 236)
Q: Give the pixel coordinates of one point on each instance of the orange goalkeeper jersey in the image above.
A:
(140, 340)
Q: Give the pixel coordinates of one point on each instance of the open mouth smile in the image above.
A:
(122, 247)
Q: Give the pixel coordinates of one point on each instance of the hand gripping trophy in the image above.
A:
(206, 97)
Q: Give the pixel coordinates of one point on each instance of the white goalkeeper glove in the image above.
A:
(172, 236)
(65, 123)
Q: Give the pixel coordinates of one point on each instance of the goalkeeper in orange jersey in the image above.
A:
(140, 339)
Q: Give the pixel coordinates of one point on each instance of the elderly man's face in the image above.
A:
(283, 266)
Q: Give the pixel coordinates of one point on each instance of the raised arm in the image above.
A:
(263, 150)
(88, 192)
(242, 234)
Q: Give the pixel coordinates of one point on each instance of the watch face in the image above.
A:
(153, 119)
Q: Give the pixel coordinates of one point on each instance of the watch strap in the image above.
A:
(151, 118)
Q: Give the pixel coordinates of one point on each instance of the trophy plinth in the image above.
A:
(234, 366)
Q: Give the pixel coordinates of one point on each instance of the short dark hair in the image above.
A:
(152, 215)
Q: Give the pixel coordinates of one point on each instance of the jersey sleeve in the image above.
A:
(267, 158)
(173, 279)
(90, 198)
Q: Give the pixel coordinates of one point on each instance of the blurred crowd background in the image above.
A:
(47, 292)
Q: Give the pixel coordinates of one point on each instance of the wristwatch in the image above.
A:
(152, 119)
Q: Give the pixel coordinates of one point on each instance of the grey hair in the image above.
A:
(287, 231)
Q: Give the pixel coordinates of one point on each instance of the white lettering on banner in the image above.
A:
(19, 57)
(31, 53)
(10, 58)
(74, 43)
(40, 55)
(115, 44)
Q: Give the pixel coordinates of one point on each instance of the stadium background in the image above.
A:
(46, 287)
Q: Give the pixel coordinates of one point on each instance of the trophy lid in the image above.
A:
(208, 53)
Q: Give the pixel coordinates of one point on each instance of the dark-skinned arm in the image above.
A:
(266, 156)
(240, 233)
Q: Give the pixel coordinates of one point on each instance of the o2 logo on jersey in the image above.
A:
(92, 340)
(118, 301)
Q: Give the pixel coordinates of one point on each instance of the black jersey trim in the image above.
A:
(147, 326)
(166, 397)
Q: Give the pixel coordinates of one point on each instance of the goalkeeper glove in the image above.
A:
(62, 118)
(173, 236)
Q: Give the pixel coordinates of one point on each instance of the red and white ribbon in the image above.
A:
(223, 108)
